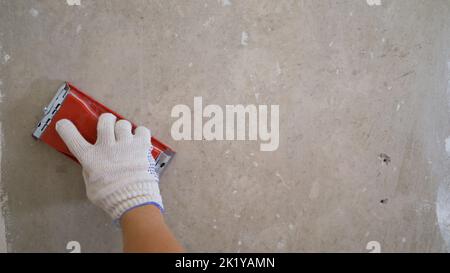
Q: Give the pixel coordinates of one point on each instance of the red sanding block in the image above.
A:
(84, 111)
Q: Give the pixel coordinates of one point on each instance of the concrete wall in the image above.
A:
(353, 79)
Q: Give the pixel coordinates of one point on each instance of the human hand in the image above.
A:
(118, 170)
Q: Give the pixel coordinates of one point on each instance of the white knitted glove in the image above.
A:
(118, 170)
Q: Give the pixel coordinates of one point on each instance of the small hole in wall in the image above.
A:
(385, 159)
(384, 201)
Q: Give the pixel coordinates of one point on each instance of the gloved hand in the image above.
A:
(118, 170)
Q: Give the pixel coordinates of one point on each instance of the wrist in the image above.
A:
(150, 213)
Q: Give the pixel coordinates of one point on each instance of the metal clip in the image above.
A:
(51, 110)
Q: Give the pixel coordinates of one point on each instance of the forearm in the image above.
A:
(144, 230)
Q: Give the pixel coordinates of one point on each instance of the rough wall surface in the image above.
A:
(355, 82)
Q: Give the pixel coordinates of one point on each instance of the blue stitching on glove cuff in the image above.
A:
(117, 221)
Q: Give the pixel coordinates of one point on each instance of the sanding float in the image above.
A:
(84, 111)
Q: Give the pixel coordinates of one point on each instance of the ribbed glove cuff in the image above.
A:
(131, 196)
